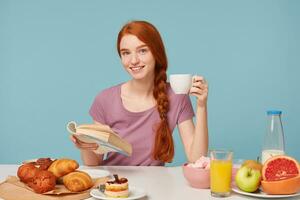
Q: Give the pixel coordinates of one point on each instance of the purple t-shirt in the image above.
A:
(137, 128)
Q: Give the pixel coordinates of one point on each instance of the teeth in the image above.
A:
(136, 68)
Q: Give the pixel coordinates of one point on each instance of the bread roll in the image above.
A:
(62, 167)
(77, 181)
(27, 172)
(44, 163)
(43, 181)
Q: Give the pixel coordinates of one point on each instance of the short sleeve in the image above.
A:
(97, 111)
(186, 109)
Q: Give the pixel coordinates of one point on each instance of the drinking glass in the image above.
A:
(220, 172)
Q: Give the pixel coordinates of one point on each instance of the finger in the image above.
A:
(200, 85)
(204, 87)
(198, 96)
(78, 141)
(87, 146)
(195, 90)
(84, 144)
(73, 139)
(197, 78)
(198, 91)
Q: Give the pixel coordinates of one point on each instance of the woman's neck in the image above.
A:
(141, 88)
(137, 96)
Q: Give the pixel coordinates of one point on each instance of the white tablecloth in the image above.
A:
(160, 183)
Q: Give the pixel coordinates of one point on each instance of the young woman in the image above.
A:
(144, 110)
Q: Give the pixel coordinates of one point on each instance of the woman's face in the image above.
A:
(136, 57)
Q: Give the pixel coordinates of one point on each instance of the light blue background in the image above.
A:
(55, 56)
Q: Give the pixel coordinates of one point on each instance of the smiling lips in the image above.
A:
(137, 68)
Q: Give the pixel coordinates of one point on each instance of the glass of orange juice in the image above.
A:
(220, 172)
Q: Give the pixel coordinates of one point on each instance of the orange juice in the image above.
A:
(220, 176)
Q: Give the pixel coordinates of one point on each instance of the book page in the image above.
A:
(108, 141)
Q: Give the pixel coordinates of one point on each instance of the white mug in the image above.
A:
(181, 83)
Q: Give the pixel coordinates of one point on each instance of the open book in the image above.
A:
(103, 135)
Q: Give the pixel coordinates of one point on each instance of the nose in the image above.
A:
(134, 59)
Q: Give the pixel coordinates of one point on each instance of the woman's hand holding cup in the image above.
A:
(188, 84)
(200, 90)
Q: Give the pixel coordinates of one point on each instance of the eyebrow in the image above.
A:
(141, 46)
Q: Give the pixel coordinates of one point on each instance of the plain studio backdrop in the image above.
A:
(55, 56)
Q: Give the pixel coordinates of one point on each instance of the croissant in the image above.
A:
(77, 181)
(62, 167)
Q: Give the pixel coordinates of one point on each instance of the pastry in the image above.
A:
(27, 172)
(41, 163)
(117, 188)
(62, 167)
(44, 163)
(43, 181)
(77, 181)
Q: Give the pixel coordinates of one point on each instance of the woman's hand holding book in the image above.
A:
(83, 145)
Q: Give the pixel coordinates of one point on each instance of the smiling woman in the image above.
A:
(144, 110)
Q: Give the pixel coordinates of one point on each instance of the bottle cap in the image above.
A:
(274, 112)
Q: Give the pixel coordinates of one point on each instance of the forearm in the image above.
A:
(199, 146)
(90, 158)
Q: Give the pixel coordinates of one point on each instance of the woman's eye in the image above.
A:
(143, 51)
(125, 53)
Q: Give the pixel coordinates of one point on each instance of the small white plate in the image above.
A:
(134, 193)
(261, 194)
(96, 173)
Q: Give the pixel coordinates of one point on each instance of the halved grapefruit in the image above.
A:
(286, 186)
(279, 168)
(281, 175)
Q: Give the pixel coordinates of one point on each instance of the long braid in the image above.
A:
(164, 146)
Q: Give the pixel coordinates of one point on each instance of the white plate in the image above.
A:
(96, 173)
(134, 193)
(261, 194)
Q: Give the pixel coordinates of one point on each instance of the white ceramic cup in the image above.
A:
(181, 83)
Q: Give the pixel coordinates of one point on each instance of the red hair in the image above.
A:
(147, 33)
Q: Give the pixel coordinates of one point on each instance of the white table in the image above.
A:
(160, 183)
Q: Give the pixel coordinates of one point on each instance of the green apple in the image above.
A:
(248, 179)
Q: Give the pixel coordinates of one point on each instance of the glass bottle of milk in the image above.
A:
(274, 138)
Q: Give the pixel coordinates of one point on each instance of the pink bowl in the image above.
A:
(196, 177)
(200, 178)
(235, 168)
